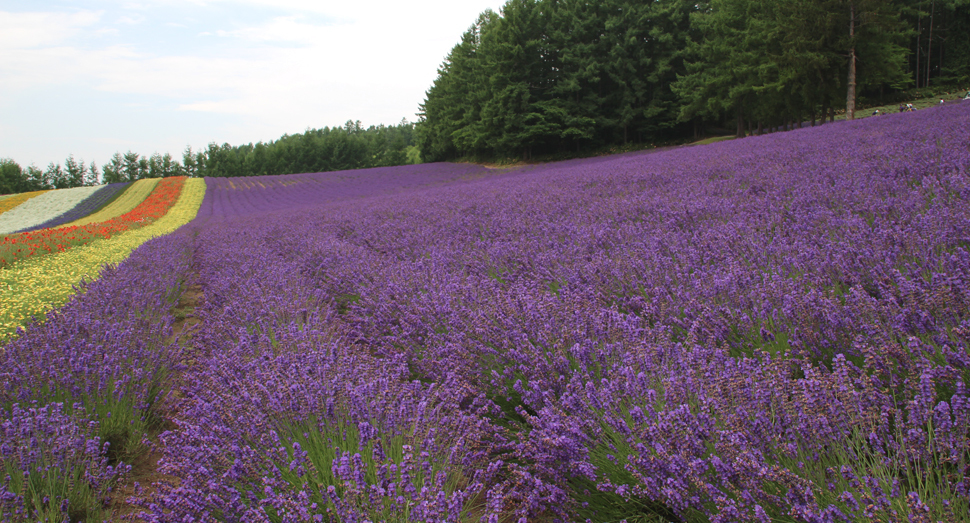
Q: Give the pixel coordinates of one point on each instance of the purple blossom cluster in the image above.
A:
(80, 388)
(760, 329)
(43, 447)
(231, 197)
(84, 208)
(773, 328)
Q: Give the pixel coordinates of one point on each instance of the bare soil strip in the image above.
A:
(144, 471)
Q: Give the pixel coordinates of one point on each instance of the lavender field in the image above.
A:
(768, 329)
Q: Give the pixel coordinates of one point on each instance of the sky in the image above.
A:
(91, 78)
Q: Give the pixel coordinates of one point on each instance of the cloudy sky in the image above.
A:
(90, 78)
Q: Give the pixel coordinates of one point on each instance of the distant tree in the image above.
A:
(94, 175)
(12, 177)
(156, 167)
(200, 164)
(353, 127)
(56, 176)
(75, 171)
(37, 179)
(413, 154)
(170, 167)
(131, 166)
(875, 35)
(189, 165)
(114, 171)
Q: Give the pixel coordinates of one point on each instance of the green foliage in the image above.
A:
(314, 451)
(549, 76)
(774, 62)
(48, 486)
(12, 177)
(316, 150)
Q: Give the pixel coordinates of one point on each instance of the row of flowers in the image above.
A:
(79, 390)
(131, 198)
(42, 208)
(19, 246)
(757, 330)
(14, 200)
(34, 286)
(96, 201)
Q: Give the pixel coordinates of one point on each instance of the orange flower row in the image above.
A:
(26, 244)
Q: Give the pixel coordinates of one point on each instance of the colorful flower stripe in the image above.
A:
(45, 207)
(35, 286)
(24, 245)
(17, 199)
(131, 198)
(89, 205)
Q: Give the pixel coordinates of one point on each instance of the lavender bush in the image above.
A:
(768, 329)
(55, 469)
(93, 374)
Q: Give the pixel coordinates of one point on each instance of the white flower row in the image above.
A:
(38, 210)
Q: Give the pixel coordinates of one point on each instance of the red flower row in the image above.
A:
(15, 247)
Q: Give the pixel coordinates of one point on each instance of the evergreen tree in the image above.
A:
(114, 170)
(75, 172)
(12, 177)
(37, 179)
(56, 177)
(94, 175)
(130, 166)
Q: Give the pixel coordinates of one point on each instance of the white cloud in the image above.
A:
(131, 19)
(279, 29)
(32, 30)
(305, 64)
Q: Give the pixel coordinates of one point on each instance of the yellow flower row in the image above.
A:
(16, 199)
(133, 195)
(36, 285)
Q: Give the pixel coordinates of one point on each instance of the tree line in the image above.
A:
(328, 149)
(552, 76)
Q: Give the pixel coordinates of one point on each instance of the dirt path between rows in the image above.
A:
(141, 482)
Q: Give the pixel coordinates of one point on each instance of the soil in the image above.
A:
(144, 471)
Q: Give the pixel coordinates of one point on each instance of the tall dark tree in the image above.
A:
(93, 176)
(451, 116)
(131, 166)
(12, 177)
(38, 179)
(114, 170)
(874, 45)
(75, 172)
(56, 177)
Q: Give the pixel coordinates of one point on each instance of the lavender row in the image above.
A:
(288, 418)
(768, 328)
(80, 388)
(258, 194)
(86, 207)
